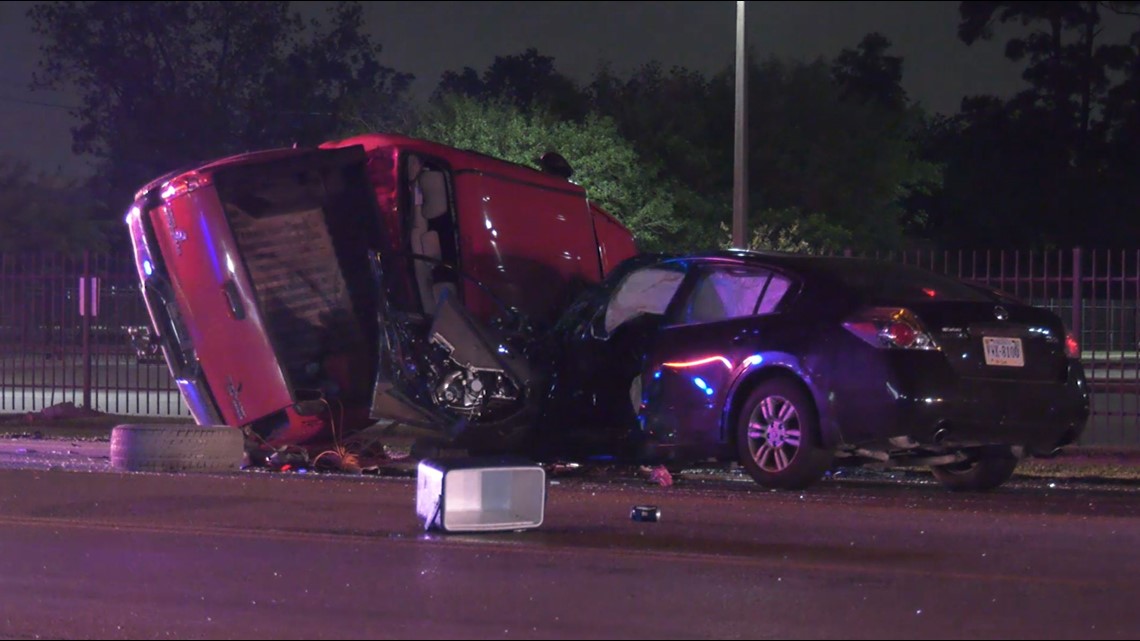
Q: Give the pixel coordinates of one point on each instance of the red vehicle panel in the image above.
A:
(218, 307)
(527, 236)
(615, 243)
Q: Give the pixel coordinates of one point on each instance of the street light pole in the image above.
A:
(740, 147)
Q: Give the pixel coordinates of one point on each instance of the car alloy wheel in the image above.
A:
(778, 436)
(774, 433)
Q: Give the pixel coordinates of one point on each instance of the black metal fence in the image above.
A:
(63, 337)
(1095, 291)
(63, 328)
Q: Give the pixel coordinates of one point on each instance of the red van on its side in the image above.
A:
(295, 291)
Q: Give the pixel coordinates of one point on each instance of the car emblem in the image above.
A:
(1001, 313)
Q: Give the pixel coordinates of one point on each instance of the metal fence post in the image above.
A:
(86, 303)
(1078, 297)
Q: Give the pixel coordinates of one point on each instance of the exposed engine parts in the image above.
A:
(473, 373)
(472, 392)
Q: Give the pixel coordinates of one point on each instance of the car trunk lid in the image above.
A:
(996, 340)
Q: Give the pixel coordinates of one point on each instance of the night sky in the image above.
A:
(427, 38)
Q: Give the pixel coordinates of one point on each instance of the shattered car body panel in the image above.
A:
(299, 291)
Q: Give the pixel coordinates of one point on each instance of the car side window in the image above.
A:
(722, 293)
(645, 291)
(777, 288)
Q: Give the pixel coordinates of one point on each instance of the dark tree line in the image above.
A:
(1055, 165)
(840, 155)
(166, 84)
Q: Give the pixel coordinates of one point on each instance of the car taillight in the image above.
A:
(184, 184)
(1072, 347)
(890, 328)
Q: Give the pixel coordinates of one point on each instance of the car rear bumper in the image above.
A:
(935, 408)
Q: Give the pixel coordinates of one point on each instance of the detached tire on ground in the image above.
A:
(177, 448)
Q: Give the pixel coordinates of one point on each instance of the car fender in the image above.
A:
(770, 364)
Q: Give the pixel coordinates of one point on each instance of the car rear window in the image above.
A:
(723, 293)
(890, 282)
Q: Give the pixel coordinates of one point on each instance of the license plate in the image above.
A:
(1004, 352)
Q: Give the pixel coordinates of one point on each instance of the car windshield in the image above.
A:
(887, 281)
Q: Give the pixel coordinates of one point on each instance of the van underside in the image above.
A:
(305, 228)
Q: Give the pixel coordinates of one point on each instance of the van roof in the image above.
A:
(459, 159)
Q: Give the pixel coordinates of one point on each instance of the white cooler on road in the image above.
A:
(480, 494)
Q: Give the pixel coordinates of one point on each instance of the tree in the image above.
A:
(166, 84)
(1122, 117)
(1043, 169)
(992, 194)
(42, 212)
(673, 115)
(604, 163)
(867, 73)
(788, 230)
(526, 81)
(851, 162)
(826, 159)
(833, 145)
(683, 122)
(1068, 67)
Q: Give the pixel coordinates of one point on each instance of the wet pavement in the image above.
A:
(255, 555)
(92, 552)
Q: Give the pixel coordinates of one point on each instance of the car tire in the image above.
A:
(777, 437)
(990, 468)
(177, 448)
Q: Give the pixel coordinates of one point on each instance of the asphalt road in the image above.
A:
(96, 554)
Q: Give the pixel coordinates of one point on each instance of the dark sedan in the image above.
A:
(788, 364)
(791, 364)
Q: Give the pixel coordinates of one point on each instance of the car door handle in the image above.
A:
(237, 308)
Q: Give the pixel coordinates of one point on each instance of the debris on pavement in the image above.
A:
(658, 474)
(59, 411)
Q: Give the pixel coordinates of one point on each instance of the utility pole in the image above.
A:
(740, 147)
